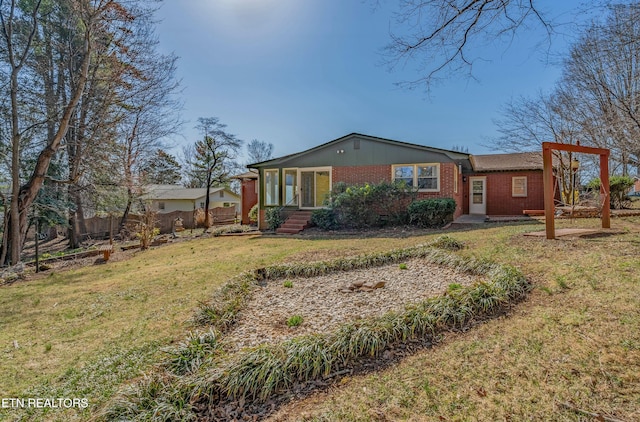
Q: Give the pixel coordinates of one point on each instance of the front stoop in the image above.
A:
(296, 222)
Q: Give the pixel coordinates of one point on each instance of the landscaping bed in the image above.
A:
(325, 302)
(210, 376)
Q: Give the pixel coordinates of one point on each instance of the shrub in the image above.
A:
(432, 212)
(253, 213)
(618, 189)
(325, 219)
(288, 284)
(274, 218)
(372, 204)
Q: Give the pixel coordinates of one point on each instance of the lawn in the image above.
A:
(573, 346)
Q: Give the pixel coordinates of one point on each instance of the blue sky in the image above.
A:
(298, 73)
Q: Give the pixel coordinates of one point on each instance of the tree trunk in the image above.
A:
(207, 217)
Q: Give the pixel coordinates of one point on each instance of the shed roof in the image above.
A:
(507, 162)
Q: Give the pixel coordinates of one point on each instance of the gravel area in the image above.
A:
(324, 305)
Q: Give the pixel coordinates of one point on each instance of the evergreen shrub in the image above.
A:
(432, 212)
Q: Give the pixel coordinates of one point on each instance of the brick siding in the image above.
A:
(499, 198)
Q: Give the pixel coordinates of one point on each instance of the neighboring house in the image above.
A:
(169, 198)
(502, 184)
(248, 193)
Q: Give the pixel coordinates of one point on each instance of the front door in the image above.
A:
(477, 195)
(315, 187)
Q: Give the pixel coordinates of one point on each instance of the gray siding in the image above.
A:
(369, 153)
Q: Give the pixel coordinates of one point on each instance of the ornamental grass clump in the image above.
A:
(257, 374)
(153, 398)
(190, 354)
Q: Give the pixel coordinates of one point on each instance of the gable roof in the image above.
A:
(453, 155)
(177, 192)
(507, 162)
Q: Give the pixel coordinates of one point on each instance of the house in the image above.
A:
(501, 184)
(169, 198)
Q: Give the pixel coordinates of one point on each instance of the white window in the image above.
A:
(519, 186)
(161, 205)
(271, 187)
(455, 179)
(425, 177)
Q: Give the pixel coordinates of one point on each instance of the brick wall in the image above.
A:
(359, 175)
(499, 198)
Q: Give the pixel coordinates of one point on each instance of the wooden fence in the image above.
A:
(99, 227)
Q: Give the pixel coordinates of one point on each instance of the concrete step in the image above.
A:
(294, 226)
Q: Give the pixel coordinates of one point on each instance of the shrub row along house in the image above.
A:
(498, 184)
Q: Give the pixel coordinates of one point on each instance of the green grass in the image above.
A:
(83, 333)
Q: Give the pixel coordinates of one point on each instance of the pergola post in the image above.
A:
(604, 191)
(547, 179)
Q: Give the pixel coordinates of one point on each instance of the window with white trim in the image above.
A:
(455, 179)
(271, 187)
(519, 186)
(425, 177)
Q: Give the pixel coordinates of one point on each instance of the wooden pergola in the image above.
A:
(549, 207)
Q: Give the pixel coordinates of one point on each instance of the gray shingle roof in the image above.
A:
(507, 162)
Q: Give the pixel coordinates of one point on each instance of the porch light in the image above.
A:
(575, 165)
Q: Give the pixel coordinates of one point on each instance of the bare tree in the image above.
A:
(149, 115)
(526, 123)
(213, 158)
(258, 151)
(602, 77)
(442, 35)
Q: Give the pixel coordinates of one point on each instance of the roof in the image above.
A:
(507, 162)
(177, 192)
(454, 155)
(251, 174)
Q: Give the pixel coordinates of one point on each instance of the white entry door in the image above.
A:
(477, 195)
